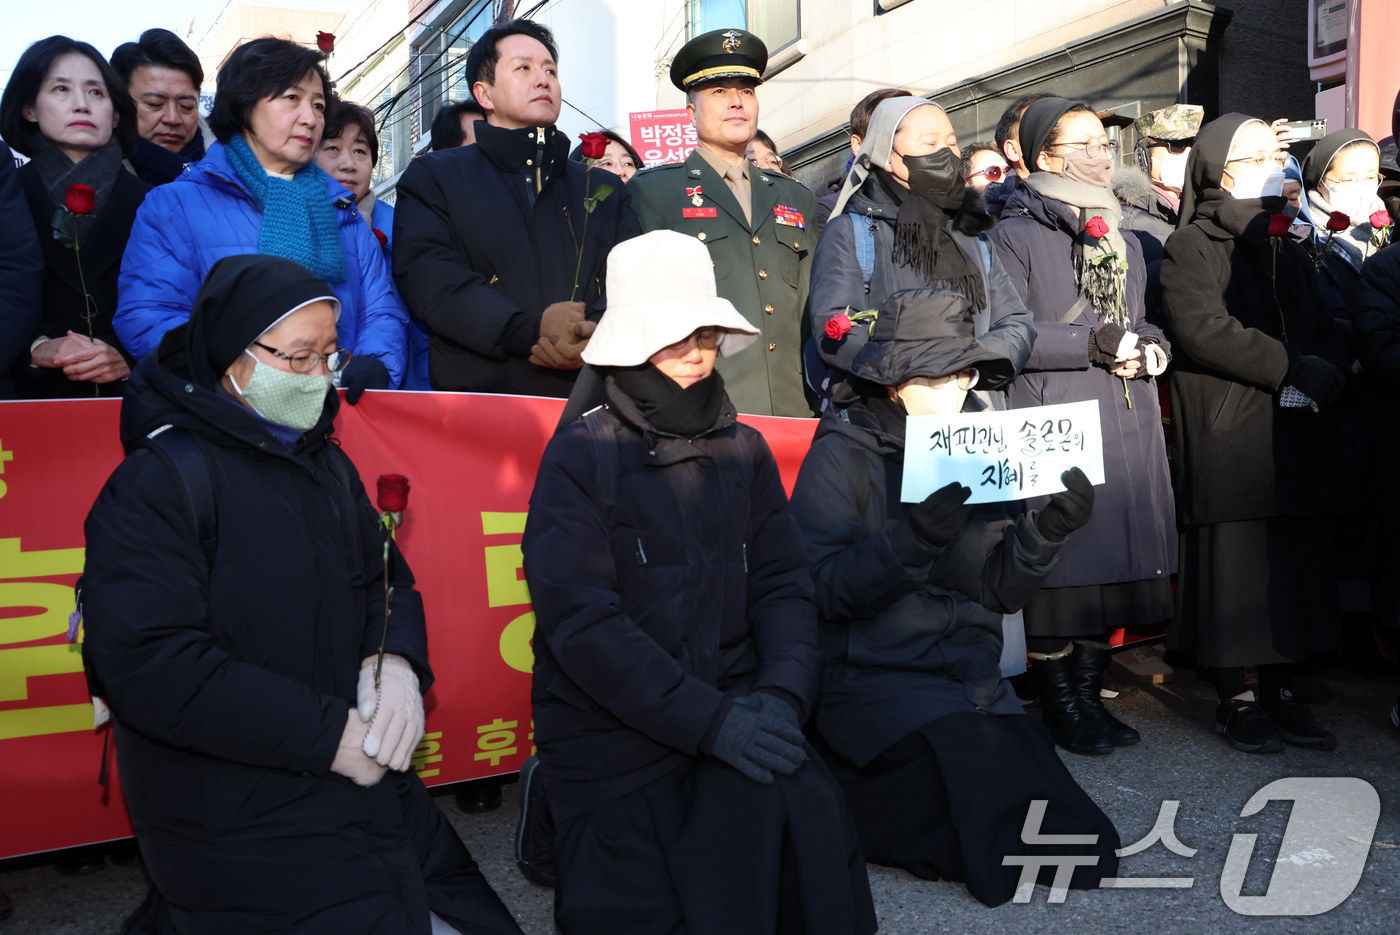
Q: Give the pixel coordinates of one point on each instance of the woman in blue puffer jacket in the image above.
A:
(259, 191)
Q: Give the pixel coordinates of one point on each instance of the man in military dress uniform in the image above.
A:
(760, 225)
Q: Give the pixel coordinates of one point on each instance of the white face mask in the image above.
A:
(1264, 181)
(1353, 199)
(1174, 171)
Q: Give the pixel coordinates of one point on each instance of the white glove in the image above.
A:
(350, 760)
(396, 711)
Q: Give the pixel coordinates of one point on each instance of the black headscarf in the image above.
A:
(1037, 123)
(241, 298)
(1205, 167)
(1316, 163)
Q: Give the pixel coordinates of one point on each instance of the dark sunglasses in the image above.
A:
(994, 174)
(1175, 147)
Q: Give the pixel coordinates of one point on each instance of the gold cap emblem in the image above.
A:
(731, 41)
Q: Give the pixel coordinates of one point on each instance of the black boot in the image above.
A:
(1062, 710)
(534, 834)
(1090, 661)
(479, 795)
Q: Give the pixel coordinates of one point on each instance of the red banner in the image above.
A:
(471, 460)
(661, 136)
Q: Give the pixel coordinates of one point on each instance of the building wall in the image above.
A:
(297, 20)
(1264, 60)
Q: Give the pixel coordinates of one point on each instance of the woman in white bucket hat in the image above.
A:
(676, 654)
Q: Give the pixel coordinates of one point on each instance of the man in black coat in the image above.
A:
(496, 247)
(21, 272)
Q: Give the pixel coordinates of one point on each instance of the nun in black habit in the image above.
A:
(234, 605)
(1261, 437)
(939, 762)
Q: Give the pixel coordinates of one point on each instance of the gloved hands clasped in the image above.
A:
(1315, 378)
(363, 373)
(761, 736)
(350, 759)
(1124, 354)
(394, 713)
(1068, 510)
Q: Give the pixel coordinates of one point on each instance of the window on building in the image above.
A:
(776, 22)
(443, 60)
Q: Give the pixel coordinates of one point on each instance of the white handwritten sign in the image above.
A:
(1011, 455)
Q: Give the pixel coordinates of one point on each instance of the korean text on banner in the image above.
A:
(661, 136)
(1012, 455)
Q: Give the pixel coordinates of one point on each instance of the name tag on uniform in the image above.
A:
(698, 212)
(789, 217)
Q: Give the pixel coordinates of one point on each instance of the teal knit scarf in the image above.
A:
(297, 219)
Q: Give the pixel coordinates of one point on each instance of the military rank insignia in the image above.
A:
(789, 217)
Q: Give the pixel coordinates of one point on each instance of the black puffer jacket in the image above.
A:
(908, 633)
(1378, 317)
(654, 614)
(230, 679)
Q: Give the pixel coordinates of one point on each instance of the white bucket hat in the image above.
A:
(661, 287)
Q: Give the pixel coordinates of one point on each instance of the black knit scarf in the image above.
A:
(671, 410)
(98, 171)
(923, 243)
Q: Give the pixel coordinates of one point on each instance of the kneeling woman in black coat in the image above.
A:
(234, 602)
(939, 763)
(676, 649)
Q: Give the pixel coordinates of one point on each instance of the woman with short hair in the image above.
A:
(66, 109)
(259, 191)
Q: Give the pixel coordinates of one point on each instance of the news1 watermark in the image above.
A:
(1319, 863)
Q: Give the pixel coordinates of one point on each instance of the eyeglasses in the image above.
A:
(993, 173)
(306, 361)
(1092, 148)
(1279, 159)
(1370, 178)
(768, 162)
(1175, 147)
(707, 339)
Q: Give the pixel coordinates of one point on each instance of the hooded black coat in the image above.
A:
(908, 633)
(1132, 536)
(654, 614)
(1005, 325)
(21, 273)
(1236, 454)
(478, 260)
(230, 679)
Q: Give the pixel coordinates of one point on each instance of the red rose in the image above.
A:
(325, 41)
(594, 145)
(380, 236)
(837, 326)
(80, 199)
(393, 493)
(1338, 221)
(1279, 225)
(1380, 219)
(1096, 227)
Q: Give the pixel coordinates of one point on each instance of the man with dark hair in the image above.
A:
(163, 76)
(507, 263)
(759, 226)
(1009, 129)
(455, 125)
(860, 122)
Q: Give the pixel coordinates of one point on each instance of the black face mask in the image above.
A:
(936, 175)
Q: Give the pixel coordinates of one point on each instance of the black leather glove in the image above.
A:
(363, 373)
(760, 736)
(1068, 510)
(942, 517)
(1319, 380)
(1103, 346)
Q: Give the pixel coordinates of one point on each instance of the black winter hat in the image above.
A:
(927, 333)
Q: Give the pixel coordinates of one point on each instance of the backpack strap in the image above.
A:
(187, 461)
(1080, 304)
(604, 435)
(865, 247)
